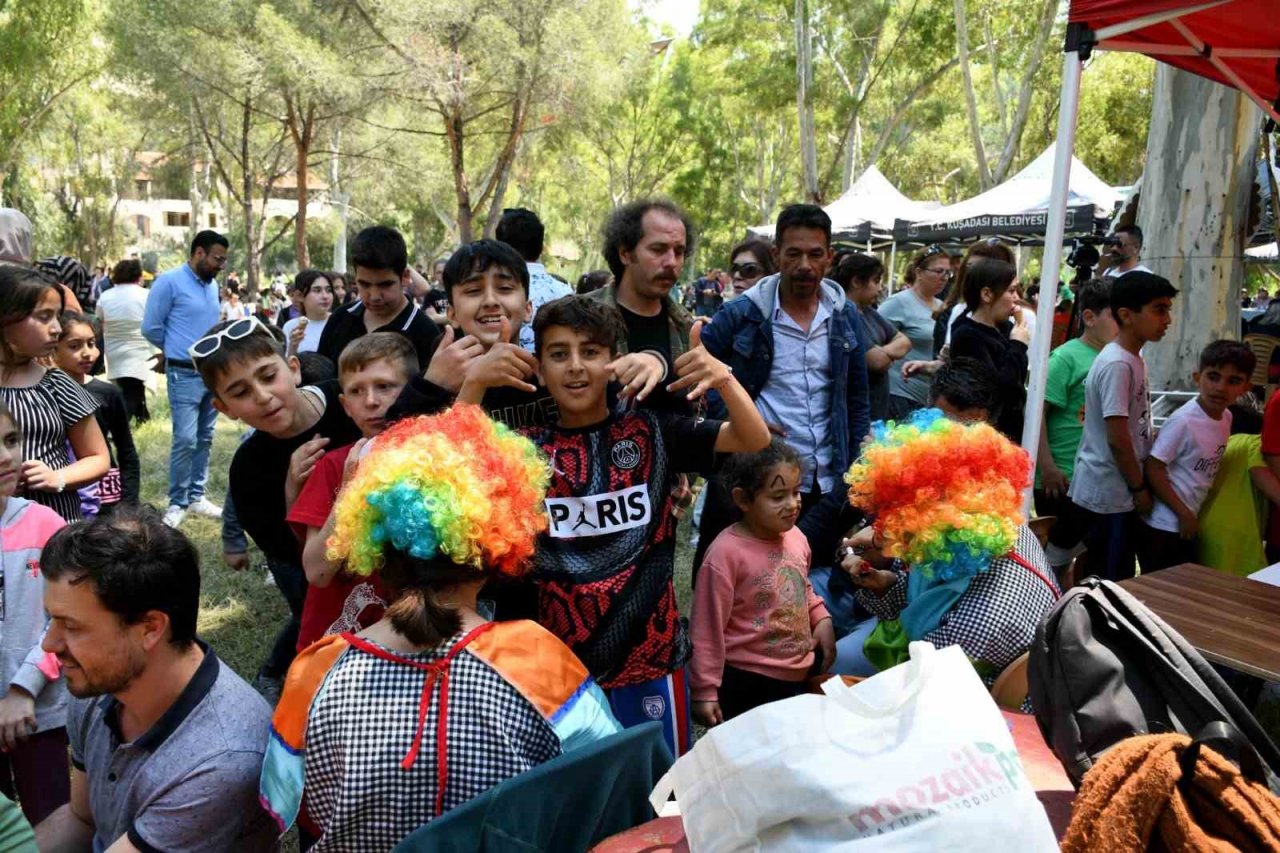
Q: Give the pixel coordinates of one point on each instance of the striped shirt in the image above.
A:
(44, 412)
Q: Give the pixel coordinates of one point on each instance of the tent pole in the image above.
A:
(893, 263)
(1079, 44)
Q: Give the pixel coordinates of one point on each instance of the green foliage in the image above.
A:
(604, 115)
(42, 57)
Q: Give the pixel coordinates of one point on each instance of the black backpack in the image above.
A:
(1104, 668)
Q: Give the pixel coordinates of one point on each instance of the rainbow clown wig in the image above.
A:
(456, 485)
(947, 497)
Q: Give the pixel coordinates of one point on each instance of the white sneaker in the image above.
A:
(174, 515)
(206, 508)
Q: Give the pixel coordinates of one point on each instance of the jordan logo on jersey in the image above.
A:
(596, 515)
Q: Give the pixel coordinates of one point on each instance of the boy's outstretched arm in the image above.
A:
(1121, 444)
(743, 431)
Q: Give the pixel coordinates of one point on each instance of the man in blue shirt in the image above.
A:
(793, 342)
(181, 307)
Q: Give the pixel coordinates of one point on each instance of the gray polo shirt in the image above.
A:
(190, 783)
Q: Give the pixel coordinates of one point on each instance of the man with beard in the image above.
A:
(166, 741)
(793, 342)
(1123, 249)
(181, 306)
(645, 245)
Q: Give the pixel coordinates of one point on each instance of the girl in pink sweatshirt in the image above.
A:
(33, 696)
(756, 619)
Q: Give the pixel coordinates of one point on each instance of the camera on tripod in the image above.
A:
(1085, 255)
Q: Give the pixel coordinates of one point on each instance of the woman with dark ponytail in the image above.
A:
(379, 732)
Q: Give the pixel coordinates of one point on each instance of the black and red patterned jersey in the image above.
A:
(604, 568)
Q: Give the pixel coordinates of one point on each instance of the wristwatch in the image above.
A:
(62, 484)
(1141, 488)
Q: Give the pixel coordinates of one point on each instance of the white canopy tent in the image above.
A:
(1231, 41)
(1269, 253)
(866, 210)
(1016, 208)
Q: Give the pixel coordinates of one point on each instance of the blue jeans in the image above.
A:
(193, 415)
(850, 659)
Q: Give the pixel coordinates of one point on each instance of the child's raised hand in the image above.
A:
(296, 336)
(353, 460)
(638, 372)
(707, 713)
(451, 359)
(304, 459)
(699, 369)
(504, 364)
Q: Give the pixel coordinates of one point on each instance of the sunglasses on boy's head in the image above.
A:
(240, 329)
(747, 270)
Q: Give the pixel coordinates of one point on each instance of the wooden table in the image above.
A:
(1053, 788)
(1230, 620)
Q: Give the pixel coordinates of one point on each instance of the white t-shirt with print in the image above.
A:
(1190, 444)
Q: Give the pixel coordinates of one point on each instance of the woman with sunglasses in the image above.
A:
(752, 260)
(913, 312)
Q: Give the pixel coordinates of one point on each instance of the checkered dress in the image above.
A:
(996, 618)
(373, 761)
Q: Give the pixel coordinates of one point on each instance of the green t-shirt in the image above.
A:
(1064, 395)
(15, 833)
(1231, 519)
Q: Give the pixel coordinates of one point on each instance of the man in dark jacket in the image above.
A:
(793, 342)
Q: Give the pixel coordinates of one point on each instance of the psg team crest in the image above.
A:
(626, 454)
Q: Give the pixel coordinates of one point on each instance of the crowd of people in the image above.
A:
(467, 485)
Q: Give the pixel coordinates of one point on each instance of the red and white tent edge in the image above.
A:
(1235, 42)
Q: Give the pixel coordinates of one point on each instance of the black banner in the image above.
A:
(1030, 224)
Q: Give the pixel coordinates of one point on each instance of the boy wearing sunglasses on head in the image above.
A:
(243, 365)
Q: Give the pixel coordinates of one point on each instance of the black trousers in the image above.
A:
(291, 580)
(740, 691)
(1160, 549)
(134, 392)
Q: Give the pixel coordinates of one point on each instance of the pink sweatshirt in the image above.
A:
(754, 609)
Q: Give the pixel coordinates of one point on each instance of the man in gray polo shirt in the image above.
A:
(166, 740)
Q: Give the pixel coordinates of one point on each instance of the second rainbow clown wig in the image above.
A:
(455, 485)
(947, 497)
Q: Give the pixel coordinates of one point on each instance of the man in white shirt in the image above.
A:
(523, 231)
(1123, 248)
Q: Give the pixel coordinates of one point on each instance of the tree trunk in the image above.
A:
(1193, 212)
(252, 240)
(196, 196)
(1013, 138)
(804, 105)
(301, 128)
(340, 199)
(970, 97)
(461, 188)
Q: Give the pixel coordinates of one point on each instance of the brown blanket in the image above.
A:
(1131, 801)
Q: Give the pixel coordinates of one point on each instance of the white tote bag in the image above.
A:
(916, 758)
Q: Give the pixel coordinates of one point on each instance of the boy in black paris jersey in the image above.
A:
(604, 568)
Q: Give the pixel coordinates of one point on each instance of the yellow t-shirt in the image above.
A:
(1232, 518)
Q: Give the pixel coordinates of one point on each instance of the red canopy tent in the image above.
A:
(1234, 42)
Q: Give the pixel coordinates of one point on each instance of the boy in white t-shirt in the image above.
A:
(1187, 453)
